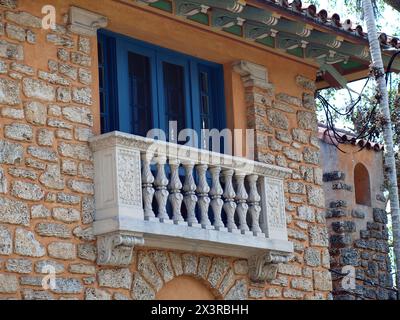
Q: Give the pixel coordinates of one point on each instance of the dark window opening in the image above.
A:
(140, 93)
(174, 97)
(362, 185)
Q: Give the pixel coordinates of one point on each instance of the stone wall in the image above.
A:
(286, 135)
(49, 107)
(358, 235)
(46, 173)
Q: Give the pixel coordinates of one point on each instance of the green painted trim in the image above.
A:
(200, 18)
(298, 52)
(350, 65)
(162, 5)
(267, 41)
(237, 30)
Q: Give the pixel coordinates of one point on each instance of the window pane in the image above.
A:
(205, 100)
(140, 93)
(174, 95)
(204, 82)
(100, 54)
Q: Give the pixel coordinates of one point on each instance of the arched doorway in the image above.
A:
(185, 288)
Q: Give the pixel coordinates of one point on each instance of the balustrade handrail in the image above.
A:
(217, 203)
(186, 153)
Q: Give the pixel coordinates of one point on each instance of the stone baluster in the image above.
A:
(216, 202)
(254, 205)
(229, 196)
(202, 193)
(241, 198)
(175, 195)
(161, 183)
(190, 198)
(147, 186)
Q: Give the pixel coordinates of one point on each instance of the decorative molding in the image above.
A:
(273, 208)
(289, 42)
(187, 8)
(225, 19)
(116, 249)
(265, 267)
(84, 22)
(236, 6)
(252, 74)
(128, 164)
(255, 31)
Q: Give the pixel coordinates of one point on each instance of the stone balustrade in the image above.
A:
(176, 197)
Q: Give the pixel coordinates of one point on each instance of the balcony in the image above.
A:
(170, 196)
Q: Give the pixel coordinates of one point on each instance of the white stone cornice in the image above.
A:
(84, 22)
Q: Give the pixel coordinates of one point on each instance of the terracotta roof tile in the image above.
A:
(321, 16)
(347, 137)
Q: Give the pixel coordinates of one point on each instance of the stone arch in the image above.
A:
(157, 271)
(362, 186)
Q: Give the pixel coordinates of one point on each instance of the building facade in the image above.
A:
(90, 209)
(356, 217)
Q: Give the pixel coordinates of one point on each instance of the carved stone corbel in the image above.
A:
(116, 249)
(265, 267)
(84, 22)
(252, 74)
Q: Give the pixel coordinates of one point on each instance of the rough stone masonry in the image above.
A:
(48, 108)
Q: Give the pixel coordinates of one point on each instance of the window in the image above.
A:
(106, 54)
(362, 185)
(143, 87)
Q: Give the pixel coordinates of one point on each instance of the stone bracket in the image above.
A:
(84, 22)
(116, 249)
(264, 267)
(252, 74)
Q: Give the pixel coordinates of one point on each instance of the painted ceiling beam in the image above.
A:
(334, 78)
(260, 23)
(258, 31)
(287, 41)
(187, 8)
(235, 6)
(224, 19)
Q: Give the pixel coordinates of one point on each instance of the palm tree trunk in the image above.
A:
(390, 164)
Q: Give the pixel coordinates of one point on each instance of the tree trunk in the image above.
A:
(390, 164)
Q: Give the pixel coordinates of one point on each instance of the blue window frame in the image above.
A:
(143, 86)
(107, 81)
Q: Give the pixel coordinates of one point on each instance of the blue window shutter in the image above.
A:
(146, 86)
(107, 83)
